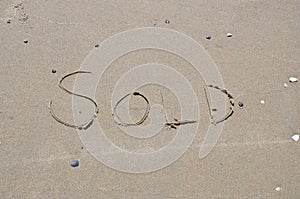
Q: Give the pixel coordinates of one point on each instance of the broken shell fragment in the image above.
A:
(293, 79)
(229, 34)
(295, 137)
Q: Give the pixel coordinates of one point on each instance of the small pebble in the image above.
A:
(25, 41)
(229, 34)
(8, 21)
(285, 85)
(241, 104)
(262, 101)
(295, 137)
(278, 189)
(97, 45)
(53, 71)
(167, 21)
(208, 37)
(74, 163)
(293, 79)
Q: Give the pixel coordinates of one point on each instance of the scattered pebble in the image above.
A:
(53, 71)
(25, 41)
(75, 163)
(97, 45)
(262, 101)
(8, 21)
(241, 104)
(295, 137)
(167, 21)
(229, 34)
(278, 189)
(285, 85)
(208, 37)
(293, 79)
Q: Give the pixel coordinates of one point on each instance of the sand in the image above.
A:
(255, 156)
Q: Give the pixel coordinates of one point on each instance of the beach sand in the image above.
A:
(255, 156)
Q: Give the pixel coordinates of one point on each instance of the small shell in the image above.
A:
(278, 189)
(229, 34)
(293, 79)
(285, 85)
(262, 101)
(295, 137)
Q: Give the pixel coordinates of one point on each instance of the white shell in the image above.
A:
(229, 34)
(262, 101)
(285, 85)
(278, 189)
(295, 137)
(293, 79)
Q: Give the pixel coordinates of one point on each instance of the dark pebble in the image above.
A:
(241, 104)
(208, 37)
(97, 45)
(74, 163)
(25, 41)
(53, 71)
(167, 21)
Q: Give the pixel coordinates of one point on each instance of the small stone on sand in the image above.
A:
(229, 34)
(75, 163)
(293, 79)
(295, 137)
(278, 189)
(241, 104)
